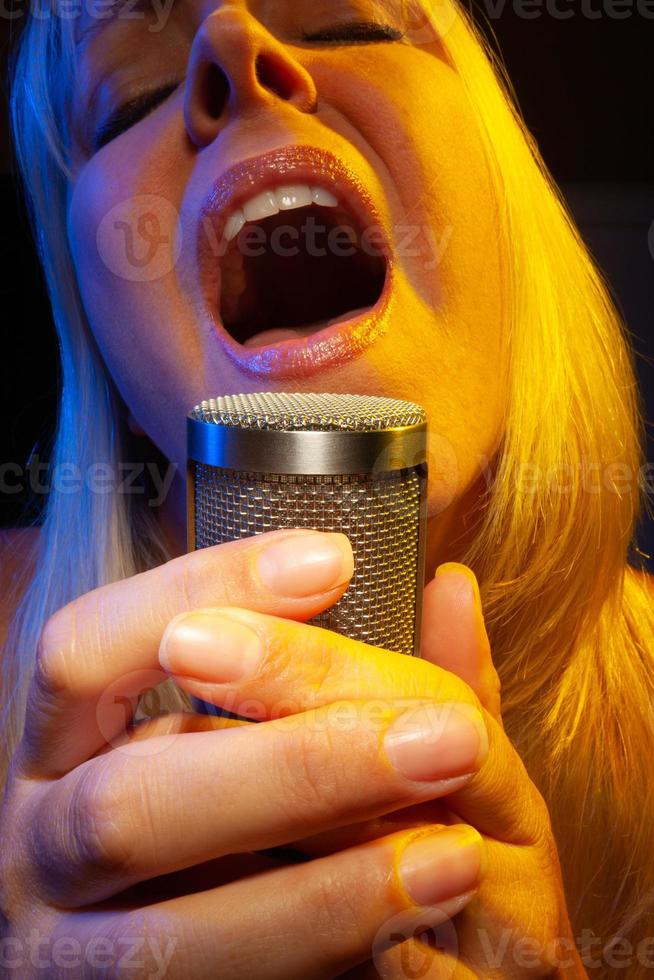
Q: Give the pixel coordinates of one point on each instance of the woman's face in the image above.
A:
(393, 138)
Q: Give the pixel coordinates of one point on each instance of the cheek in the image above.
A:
(432, 162)
(123, 219)
(111, 263)
(123, 232)
(449, 338)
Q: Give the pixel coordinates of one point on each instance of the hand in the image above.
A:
(516, 923)
(127, 844)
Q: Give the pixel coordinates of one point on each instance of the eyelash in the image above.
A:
(363, 32)
(130, 112)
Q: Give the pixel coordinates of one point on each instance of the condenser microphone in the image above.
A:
(329, 462)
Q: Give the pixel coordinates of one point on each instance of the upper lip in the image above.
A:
(290, 164)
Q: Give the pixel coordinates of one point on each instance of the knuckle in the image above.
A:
(80, 834)
(321, 674)
(307, 776)
(51, 675)
(99, 813)
(194, 581)
(156, 941)
(334, 910)
(177, 581)
(280, 658)
(325, 668)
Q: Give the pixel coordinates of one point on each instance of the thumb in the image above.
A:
(453, 633)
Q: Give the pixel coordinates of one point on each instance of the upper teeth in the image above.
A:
(284, 198)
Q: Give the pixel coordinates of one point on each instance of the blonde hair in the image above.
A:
(571, 624)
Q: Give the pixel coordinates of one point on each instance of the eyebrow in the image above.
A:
(97, 24)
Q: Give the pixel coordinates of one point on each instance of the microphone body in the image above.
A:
(331, 462)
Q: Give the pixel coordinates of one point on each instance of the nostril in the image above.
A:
(216, 90)
(274, 76)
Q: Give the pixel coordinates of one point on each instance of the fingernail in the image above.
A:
(306, 564)
(437, 741)
(210, 646)
(443, 865)
(467, 580)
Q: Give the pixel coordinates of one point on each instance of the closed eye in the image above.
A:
(130, 112)
(360, 32)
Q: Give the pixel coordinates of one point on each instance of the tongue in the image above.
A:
(279, 333)
(294, 333)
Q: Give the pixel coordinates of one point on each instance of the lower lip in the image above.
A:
(296, 353)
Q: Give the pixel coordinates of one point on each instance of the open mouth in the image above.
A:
(296, 262)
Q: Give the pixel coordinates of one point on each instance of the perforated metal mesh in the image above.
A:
(379, 512)
(380, 516)
(296, 411)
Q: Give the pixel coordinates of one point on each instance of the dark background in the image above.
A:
(584, 85)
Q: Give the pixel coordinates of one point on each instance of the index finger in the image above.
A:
(266, 667)
(98, 654)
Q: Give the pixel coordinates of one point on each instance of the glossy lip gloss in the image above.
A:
(341, 341)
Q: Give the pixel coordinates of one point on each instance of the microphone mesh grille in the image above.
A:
(297, 411)
(380, 514)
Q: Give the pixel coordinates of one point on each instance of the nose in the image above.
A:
(237, 67)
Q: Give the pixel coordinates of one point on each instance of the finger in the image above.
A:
(292, 667)
(98, 654)
(314, 919)
(453, 637)
(157, 806)
(405, 818)
(516, 905)
(454, 633)
(175, 723)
